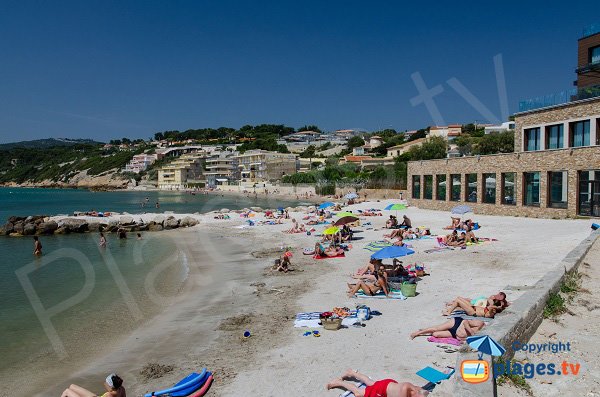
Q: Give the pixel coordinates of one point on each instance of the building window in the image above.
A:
(440, 187)
(428, 187)
(490, 188)
(589, 193)
(554, 136)
(471, 188)
(557, 189)
(508, 188)
(531, 184)
(455, 188)
(532, 139)
(595, 54)
(580, 133)
(416, 186)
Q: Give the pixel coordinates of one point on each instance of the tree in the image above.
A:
(434, 148)
(309, 152)
(159, 136)
(422, 133)
(355, 141)
(503, 142)
(310, 128)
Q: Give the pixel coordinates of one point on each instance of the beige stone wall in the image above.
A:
(570, 160)
(556, 114)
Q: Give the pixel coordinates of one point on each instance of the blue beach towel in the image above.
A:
(381, 295)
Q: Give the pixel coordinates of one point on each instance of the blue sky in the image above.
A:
(108, 69)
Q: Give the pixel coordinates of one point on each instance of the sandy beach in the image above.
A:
(230, 289)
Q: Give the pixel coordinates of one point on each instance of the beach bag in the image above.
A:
(408, 289)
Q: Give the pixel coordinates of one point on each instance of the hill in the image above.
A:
(47, 143)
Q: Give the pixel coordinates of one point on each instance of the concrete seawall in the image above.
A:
(521, 319)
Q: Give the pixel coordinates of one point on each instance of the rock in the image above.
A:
(8, 228)
(29, 229)
(256, 209)
(75, 225)
(62, 230)
(171, 223)
(225, 211)
(96, 226)
(143, 227)
(47, 227)
(126, 220)
(159, 219)
(155, 227)
(15, 219)
(188, 221)
(18, 227)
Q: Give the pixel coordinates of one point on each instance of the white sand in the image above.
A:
(526, 249)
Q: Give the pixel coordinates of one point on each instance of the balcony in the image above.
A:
(559, 98)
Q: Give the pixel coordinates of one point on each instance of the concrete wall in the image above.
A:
(570, 160)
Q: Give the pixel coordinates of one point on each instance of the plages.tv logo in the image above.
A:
(478, 371)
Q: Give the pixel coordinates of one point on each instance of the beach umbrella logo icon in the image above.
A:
(478, 371)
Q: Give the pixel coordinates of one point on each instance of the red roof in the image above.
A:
(356, 159)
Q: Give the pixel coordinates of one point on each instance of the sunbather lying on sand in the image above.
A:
(457, 328)
(113, 386)
(497, 301)
(471, 310)
(380, 388)
(330, 251)
(455, 224)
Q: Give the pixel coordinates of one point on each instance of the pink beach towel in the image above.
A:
(447, 341)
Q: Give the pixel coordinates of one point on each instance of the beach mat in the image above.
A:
(381, 295)
(376, 245)
(343, 255)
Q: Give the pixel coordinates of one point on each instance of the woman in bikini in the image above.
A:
(371, 288)
(381, 388)
(471, 310)
(113, 386)
(457, 328)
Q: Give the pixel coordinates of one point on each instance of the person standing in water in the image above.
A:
(157, 204)
(102, 240)
(37, 246)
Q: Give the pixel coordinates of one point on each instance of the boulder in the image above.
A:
(18, 227)
(29, 229)
(155, 227)
(159, 219)
(62, 230)
(126, 220)
(8, 228)
(225, 211)
(143, 227)
(47, 227)
(171, 223)
(188, 221)
(256, 209)
(75, 225)
(96, 226)
(15, 219)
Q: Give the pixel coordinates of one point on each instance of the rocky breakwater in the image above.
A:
(44, 225)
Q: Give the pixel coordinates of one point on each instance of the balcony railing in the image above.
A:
(559, 98)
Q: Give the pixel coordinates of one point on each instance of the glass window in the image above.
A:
(440, 182)
(490, 188)
(508, 188)
(554, 136)
(455, 189)
(471, 188)
(532, 139)
(557, 186)
(416, 186)
(532, 188)
(595, 54)
(428, 187)
(580, 133)
(589, 193)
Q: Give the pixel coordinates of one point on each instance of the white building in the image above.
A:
(140, 162)
(509, 125)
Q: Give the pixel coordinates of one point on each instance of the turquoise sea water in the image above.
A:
(114, 280)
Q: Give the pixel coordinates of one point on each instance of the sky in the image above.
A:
(111, 69)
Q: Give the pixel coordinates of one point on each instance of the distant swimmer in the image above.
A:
(139, 236)
(157, 204)
(102, 240)
(122, 234)
(37, 246)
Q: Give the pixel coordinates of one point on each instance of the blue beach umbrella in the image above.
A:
(351, 196)
(326, 205)
(393, 251)
(461, 209)
(486, 345)
(281, 209)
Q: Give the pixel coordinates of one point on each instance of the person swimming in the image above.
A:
(37, 246)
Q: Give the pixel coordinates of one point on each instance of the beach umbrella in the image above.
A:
(280, 209)
(395, 207)
(344, 213)
(344, 220)
(486, 345)
(351, 196)
(393, 251)
(326, 205)
(331, 230)
(461, 209)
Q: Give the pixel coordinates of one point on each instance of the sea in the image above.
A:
(50, 303)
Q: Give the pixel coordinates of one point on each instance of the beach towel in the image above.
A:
(447, 341)
(433, 375)
(381, 295)
(438, 249)
(360, 385)
(376, 245)
(313, 319)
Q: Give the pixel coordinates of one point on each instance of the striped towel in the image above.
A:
(376, 245)
(360, 385)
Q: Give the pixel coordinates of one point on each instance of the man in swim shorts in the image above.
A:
(380, 388)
